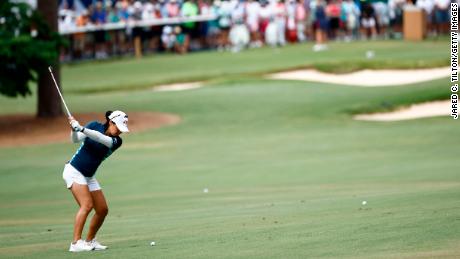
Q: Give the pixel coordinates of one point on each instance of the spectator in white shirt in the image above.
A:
(252, 21)
(428, 7)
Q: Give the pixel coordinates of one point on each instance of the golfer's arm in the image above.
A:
(98, 137)
(76, 136)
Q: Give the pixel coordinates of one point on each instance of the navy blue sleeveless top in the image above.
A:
(91, 153)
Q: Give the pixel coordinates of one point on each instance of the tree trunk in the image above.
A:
(49, 102)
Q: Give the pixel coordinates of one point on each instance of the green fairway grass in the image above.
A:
(286, 166)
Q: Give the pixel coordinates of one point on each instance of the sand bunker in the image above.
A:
(423, 110)
(367, 78)
(178, 87)
(24, 130)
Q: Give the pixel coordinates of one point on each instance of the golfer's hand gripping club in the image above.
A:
(75, 125)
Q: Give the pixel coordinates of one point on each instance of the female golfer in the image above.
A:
(99, 142)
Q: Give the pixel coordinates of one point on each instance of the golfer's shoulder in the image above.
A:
(94, 125)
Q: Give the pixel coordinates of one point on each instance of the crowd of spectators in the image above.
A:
(240, 23)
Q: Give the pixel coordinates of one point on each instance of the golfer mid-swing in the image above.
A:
(99, 142)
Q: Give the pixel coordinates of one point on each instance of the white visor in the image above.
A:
(120, 119)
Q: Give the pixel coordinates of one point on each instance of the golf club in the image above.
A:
(57, 88)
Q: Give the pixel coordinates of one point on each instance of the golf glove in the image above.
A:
(76, 126)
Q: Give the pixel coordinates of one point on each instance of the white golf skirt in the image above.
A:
(72, 175)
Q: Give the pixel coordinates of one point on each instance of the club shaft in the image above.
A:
(59, 92)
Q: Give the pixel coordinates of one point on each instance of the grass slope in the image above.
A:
(286, 168)
(342, 57)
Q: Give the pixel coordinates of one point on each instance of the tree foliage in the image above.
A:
(27, 47)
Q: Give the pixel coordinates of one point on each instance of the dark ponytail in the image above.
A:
(107, 120)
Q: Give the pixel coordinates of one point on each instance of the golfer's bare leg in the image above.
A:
(83, 197)
(101, 208)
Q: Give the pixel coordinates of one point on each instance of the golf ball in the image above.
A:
(152, 243)
(364, 202)
(205, 190)
(370, 54)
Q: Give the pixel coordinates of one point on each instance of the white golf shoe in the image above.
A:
(80, 246)
(96, 245)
